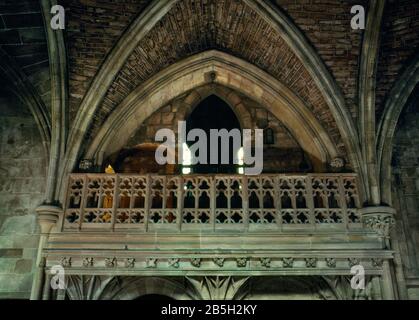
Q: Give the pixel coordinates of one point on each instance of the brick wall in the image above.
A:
(92, 30)
(327, 25)
(191, 27)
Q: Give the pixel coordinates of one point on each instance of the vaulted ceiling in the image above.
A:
(399, 45)
(230, 26)
(22, 37)
(93, 28)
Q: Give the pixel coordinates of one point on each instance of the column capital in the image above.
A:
(48, 216)
(380, 219)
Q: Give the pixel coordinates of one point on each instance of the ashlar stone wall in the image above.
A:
(406, 190)
(22, 182)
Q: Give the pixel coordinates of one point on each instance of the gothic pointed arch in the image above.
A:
(25, 91)
(395, 103)
(310, 77)
(232, 73)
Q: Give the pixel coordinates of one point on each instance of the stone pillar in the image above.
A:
(47, 218)
(380, 219)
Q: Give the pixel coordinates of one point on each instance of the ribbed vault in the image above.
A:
(191, 27)
(326, 25)
(399, 45)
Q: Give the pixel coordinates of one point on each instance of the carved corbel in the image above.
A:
(379, 219)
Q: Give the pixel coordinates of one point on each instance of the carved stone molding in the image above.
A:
(288, 262)
(66, 262)
(379, 219)
(110, 262)
(219, 261)
(130, 262)
(331, 262)
(311, 262)
(353, 262)
(88, 262)
(265, 262)
(377, 263)
(218, 288)
(241, 262)
(173, 262)
(151, 262)
(196, 262)
(47, 217)
(213, 263)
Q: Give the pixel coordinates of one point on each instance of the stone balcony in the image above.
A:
(211, 204)
(213, 225)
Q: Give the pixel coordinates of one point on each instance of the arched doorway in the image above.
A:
(214, 113)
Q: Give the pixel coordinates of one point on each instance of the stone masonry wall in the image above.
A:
(406, 188)
(22, 183)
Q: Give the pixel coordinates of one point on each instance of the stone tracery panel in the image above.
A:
(211, 203)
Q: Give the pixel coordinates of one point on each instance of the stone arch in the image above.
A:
(231, 72)
(394, 106)
(152, 15)
(139, 287)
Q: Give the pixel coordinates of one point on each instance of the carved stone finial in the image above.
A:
(378, 219)
(213, 76)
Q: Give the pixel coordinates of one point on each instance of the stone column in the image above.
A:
(47, 218)
(380, 219)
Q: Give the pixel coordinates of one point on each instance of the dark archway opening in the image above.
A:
(214, 113)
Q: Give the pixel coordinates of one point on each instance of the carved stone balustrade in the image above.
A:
(211, 203)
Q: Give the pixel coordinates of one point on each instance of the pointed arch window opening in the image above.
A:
(213, 113)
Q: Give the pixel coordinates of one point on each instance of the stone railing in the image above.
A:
(207, 203)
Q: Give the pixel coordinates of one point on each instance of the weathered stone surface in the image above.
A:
(23, 266)
(399, 43)
(22, 36)
(405, 190)
(22, 186)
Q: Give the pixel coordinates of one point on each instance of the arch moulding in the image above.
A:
(226, 71)
(394, 106)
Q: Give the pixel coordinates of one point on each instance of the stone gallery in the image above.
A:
(86, 211)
